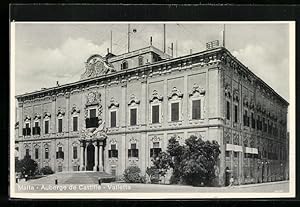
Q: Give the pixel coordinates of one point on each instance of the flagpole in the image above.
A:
(223, 35)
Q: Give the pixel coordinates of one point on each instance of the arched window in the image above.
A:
(124, 65)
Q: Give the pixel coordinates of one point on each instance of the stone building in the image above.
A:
(125, 108)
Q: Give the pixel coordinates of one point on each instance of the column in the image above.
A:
(96, 156)
(100, 156)
(81, 156)
(85, 157)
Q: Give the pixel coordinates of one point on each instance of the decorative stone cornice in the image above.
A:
(155, 95)
(175, 92)
(196, 88)
(133, 99)
(113, 102)
(205, 58)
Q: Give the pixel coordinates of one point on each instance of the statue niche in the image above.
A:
(95, 66)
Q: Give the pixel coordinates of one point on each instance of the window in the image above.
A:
(36, 128)
(155, 150)
(59, 125)
(113, 118)
(75, 123)
(252, 120)
(27, 153)
(113, 152)
(196, 109)
(245, 118)
(47, 153)
(141, 61)
(133, 151)
(258, 123)
(235, 113)
(155, 114)
(124, 65)
(92, 121)
(92, 113)
(60, 153)
(175, 111)
(227, 153)
(26, 130)
(235, 154)
(36, 154)
(75, 152)
(133, 116)
(228, 110)
(46, 127)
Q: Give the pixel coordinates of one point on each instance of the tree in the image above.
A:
(161, 164)
(26, 166)
(199, 161)
(194, 163)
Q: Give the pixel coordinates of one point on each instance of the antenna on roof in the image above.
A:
(164, 38)
(223, 36)
(111, 41)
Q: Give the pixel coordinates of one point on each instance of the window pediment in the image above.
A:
(27, 118)
(175, 92)
(60, 112)
(196, 89)
(37, 116)
(133, 99)
(113, 103)
(156, 96)
(236, 95)
(75, 110)
(228, 91)
(47, 115)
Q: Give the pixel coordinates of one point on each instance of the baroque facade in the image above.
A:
(125, 108)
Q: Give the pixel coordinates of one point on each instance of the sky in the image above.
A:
(46, 53)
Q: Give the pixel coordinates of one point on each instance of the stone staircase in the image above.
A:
(80, 177)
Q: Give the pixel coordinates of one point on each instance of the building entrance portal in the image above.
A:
(90, 157)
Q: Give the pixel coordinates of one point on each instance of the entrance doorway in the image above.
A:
(90, 157)
(227, 176)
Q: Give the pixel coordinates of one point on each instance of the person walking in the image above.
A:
(231, 181)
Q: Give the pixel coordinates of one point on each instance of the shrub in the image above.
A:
(132, 175)
(46, 170)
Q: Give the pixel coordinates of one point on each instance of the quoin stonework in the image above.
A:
(125, 108)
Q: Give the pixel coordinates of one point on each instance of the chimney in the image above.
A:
(57, 84)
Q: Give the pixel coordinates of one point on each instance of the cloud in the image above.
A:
(267, 65)
(42, 66)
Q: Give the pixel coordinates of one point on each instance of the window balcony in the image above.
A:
(113, 153)
(154, 152)
(133, 153)
(91, 122)
(26, 131)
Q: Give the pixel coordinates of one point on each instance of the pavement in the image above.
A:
(88, 183)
